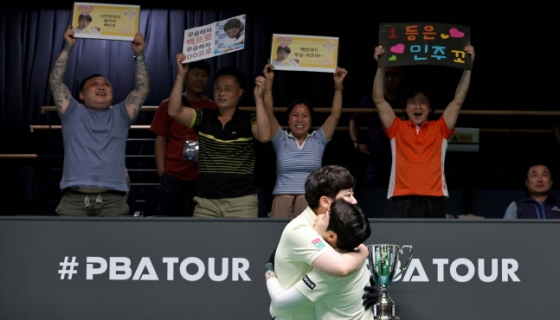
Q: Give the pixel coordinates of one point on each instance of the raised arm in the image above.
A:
(136, 98)
(261, 130)
(60, 91)
(451, 112)
(341, 264)
(386, 113)
(269, 101)
(330, 124)
(183, 115)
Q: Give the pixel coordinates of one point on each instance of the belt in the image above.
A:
(74, 191)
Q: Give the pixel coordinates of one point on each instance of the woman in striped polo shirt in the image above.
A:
(298, 152)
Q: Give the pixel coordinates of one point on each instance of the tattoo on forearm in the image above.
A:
(142, 87)
(59, 89)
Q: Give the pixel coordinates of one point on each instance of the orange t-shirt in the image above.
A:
(418, 158)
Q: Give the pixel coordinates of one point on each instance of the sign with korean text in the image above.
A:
(422, 43)
(105, 21)
(214, 39)
(304, 53)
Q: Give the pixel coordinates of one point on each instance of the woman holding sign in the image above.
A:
(298, 152)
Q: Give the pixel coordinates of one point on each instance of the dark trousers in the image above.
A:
(176, 197)
(417, 207)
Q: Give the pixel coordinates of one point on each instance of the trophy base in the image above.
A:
(385, 312)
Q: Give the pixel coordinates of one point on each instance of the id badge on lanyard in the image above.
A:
(190, 151)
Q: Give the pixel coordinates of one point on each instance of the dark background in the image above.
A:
(510, 72)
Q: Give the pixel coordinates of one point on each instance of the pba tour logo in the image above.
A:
(461, 270)
(122, 268)
(235, 269)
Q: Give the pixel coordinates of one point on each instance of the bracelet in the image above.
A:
(338, 87)
(140, 57)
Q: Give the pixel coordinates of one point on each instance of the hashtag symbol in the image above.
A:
(68, 268)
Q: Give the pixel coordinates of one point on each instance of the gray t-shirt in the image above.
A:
(94, 146)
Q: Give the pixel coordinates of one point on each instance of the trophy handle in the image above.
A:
(403, 269)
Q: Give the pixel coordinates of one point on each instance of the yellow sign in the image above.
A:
(304, 53)
(105, 21)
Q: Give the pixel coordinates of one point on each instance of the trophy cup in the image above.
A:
(382, 261)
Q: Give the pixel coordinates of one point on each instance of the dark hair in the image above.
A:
(81, 16)
(411, 92)
(534, 164)
(285, 49)
(295, 103)
(327, 181)
(234, 23)
(83, 83)
(200, 64)
(226, 71)
(349, 223)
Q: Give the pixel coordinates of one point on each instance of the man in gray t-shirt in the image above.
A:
(94, 134)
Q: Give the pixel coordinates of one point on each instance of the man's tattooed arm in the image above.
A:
(60, 91)
(136, 98)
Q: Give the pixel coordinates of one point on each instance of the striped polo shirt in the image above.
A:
(294, 163)
(226, 154)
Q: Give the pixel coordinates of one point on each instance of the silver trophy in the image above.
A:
(383, 259)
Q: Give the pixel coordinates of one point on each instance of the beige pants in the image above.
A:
(287, 207)
(241, 207)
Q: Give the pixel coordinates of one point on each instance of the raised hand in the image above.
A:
(339, 75)
(260, 83)
(182, 69)
(470, 51)
(69, 36)
(379, 51)
(268, 73)
(138, 43)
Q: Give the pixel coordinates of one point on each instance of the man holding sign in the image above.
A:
(417, 185)
(226, 137)
(94, 135)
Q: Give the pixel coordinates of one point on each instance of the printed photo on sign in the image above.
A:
(105, 21)
(214, 39)
(230, 35)
(304, 53)
(424, 43)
